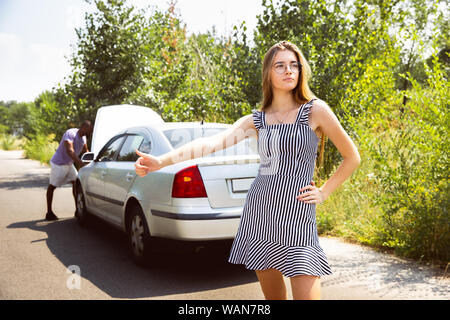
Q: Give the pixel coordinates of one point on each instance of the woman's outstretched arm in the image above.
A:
(197, 148)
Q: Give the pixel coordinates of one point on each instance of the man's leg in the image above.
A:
(50, 190)
(72, 176)
(50, 215)
(56, 173)
(74, 192)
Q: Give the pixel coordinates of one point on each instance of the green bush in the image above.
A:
(350, 211)
(398, 197)
(7, 142)
(412, 170)
(10, 142)
(40, 147)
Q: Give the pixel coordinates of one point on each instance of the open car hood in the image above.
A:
(111, 120)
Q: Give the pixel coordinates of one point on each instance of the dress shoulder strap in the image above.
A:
(257, 118)
(304, 116)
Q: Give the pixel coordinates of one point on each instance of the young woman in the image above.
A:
(277, 235)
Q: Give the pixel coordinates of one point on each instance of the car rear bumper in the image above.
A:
(194, 226)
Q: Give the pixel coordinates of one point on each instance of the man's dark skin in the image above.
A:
(85, 130)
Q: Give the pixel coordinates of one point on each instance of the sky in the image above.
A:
(36, 36)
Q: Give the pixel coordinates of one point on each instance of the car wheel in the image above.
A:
(81, 213)
(140, 241)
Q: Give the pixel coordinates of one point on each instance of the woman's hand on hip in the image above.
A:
(314, 195)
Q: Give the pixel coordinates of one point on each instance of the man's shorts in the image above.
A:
(62, 174)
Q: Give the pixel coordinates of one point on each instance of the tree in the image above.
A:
(190, 78)
(16, 117)
(108, 62)
(338, 40)
(415, 23)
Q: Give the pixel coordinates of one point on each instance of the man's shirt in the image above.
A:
(61, 156)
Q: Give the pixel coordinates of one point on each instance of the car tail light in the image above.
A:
(188, 183)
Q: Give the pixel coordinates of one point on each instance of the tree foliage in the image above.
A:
(108, 63)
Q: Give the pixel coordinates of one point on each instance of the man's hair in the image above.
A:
(86, 123)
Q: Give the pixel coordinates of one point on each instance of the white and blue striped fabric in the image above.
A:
(276, 229)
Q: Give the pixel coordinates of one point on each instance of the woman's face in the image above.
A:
(284, 71)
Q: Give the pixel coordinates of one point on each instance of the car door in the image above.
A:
(95, 186)
(120, 175)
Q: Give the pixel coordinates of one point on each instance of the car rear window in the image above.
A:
(180, 136)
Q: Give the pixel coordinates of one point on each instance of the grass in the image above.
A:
(9, 142)
(349, 212)
(41, 148)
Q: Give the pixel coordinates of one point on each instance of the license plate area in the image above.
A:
(241, 185)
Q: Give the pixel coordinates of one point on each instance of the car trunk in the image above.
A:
(228, 178)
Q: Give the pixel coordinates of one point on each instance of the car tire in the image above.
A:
(139, 239)
(81, 212)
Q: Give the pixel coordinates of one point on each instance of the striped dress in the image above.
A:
(276, 229)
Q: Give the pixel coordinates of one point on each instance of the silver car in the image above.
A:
(199, 199)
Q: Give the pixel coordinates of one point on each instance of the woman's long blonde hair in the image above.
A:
(302, 93)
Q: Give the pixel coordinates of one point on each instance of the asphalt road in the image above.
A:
(38, 258)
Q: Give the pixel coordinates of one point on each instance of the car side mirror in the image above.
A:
(87, 157)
